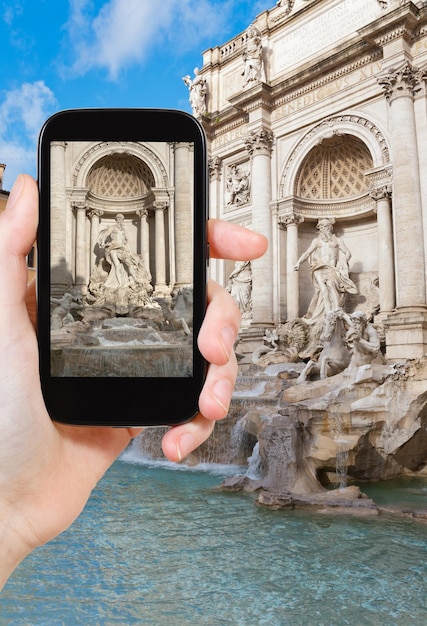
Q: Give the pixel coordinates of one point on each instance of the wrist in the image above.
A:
(12, 547)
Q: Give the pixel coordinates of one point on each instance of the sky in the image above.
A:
(61, 54)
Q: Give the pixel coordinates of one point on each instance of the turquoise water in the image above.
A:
(163, 547)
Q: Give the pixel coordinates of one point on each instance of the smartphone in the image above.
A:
(122, 264)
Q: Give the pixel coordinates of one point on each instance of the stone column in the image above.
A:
(144, 232)
(406, 329)
(160, 248)
(259, 145)
(400, 86)
(184, 169)
(385, 249)
(61, 264)
(94, 215)
(80, 267)
(291, 222)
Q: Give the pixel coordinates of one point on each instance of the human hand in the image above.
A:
(48, 470)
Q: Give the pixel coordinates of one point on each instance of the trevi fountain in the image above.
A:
(316, 126)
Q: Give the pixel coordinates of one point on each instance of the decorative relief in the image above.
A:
(238, 185)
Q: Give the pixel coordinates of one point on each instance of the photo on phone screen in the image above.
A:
(122, 260)
(122, 265)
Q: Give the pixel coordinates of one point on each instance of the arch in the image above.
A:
(349, 124)
(102, 149)
(119, 175)
(334, 169)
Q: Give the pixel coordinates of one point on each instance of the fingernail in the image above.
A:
(15, 191)
(221, 392)
(228, 337)
(185, 444)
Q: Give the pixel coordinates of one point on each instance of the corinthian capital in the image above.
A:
(290, 219)
(259, 142)
(403, 81)
(381, 193)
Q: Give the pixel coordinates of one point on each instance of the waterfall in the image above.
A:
(341, 461)
(255, 466)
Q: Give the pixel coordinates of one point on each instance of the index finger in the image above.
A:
(230, 241)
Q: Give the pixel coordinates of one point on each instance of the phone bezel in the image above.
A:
(118, 401)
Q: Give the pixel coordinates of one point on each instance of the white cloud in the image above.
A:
(127, 31)
(22, 113)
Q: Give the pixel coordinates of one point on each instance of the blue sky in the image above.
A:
(59, 54)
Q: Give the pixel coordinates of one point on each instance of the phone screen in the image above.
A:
(122, 260)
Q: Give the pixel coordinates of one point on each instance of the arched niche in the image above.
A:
(332, 172)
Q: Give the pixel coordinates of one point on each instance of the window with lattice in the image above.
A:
(334, 169)
(120, 176)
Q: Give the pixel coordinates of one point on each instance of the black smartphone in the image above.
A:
(122, 264)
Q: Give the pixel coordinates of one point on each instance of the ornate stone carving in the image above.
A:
(290, 219)
(238, 185)
(259, 142)
(197, 92)
(403, 81)
(381, 193)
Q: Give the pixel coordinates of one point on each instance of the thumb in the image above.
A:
(18, 226)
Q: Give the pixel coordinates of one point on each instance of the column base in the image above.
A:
(406, 333)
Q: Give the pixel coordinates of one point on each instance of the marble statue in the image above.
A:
(361, 338)
(252, 56)
(237, 185)
(334, 356)
(61, 314)
(120, 277)
(328, 257)
(197, 92)
(240, 287)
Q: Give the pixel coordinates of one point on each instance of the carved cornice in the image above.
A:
(313, 210)
(401, 82)
(259, 142)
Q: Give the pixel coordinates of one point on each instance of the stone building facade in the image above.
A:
(145, 183)
(319, 110)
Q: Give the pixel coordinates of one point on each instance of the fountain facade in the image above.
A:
(307, 113)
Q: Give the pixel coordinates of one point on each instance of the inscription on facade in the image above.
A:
(325, 91)
(323, 30)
